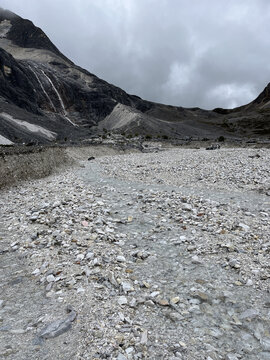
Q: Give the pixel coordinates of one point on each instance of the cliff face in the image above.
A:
(40, 85)
(263, 99)
(45, 97)
(25, 34)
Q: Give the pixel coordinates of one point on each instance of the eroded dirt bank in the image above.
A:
(25, 163)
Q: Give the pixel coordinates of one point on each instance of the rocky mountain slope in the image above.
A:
(44, 97)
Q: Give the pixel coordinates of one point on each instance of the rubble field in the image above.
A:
(156, 255)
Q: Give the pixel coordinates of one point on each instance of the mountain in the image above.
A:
(44, 97)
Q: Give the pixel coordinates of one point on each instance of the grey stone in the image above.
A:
(121, 357)
(249, 314)
(122, 300)
(127, 286)
(120, 258)
(50, 278)
(144, 337)
(57, 327)
(231, 356)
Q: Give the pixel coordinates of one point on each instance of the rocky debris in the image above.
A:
(57, 327)
(213, 147)
(193, 167)
(157, 264)
(256, 156)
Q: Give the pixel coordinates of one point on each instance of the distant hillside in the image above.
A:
(44, 97)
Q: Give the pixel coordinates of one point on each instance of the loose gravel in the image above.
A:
(143, 256)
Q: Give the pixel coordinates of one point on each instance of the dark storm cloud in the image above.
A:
(184, 52)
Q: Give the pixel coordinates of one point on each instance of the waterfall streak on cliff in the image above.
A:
(42, 88)
(59, 98)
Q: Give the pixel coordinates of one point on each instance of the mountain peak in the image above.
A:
(25, 34)
(45, 97)
(7, 15)
(264, 96)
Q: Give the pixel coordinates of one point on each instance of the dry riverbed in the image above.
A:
(139, 256)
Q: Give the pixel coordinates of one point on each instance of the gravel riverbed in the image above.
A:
(139, 256)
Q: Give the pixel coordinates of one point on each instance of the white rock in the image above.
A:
(122, 300)
(14, 243)
(127, 286)
(89, 255)
(80, 257)
(80, 290)
(97, 262)
(244, 227)
(50, 278)
(36, 272)
(234, 263)
(196, 260)
(130, 350)
(154, 294)
(17, 331)
(133, 302)
(121, 357)
(109, 229)
(121, 316)
(187, 207)
(231, 356)
(149, 303)
(144, 337)
(56, 204)
(121, 258)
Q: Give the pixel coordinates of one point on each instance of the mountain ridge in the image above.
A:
(44, 89)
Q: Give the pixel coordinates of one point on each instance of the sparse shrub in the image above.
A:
(205, 139)
(104, 136)
(105, 130)
(165, 137)
(148, 137)
(221, 139)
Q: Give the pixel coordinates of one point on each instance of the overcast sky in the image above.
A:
(206, 53)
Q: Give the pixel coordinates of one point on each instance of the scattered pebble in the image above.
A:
(136, 242)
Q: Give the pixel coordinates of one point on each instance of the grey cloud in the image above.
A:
(190, 53)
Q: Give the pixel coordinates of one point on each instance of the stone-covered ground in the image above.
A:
(142, 256)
